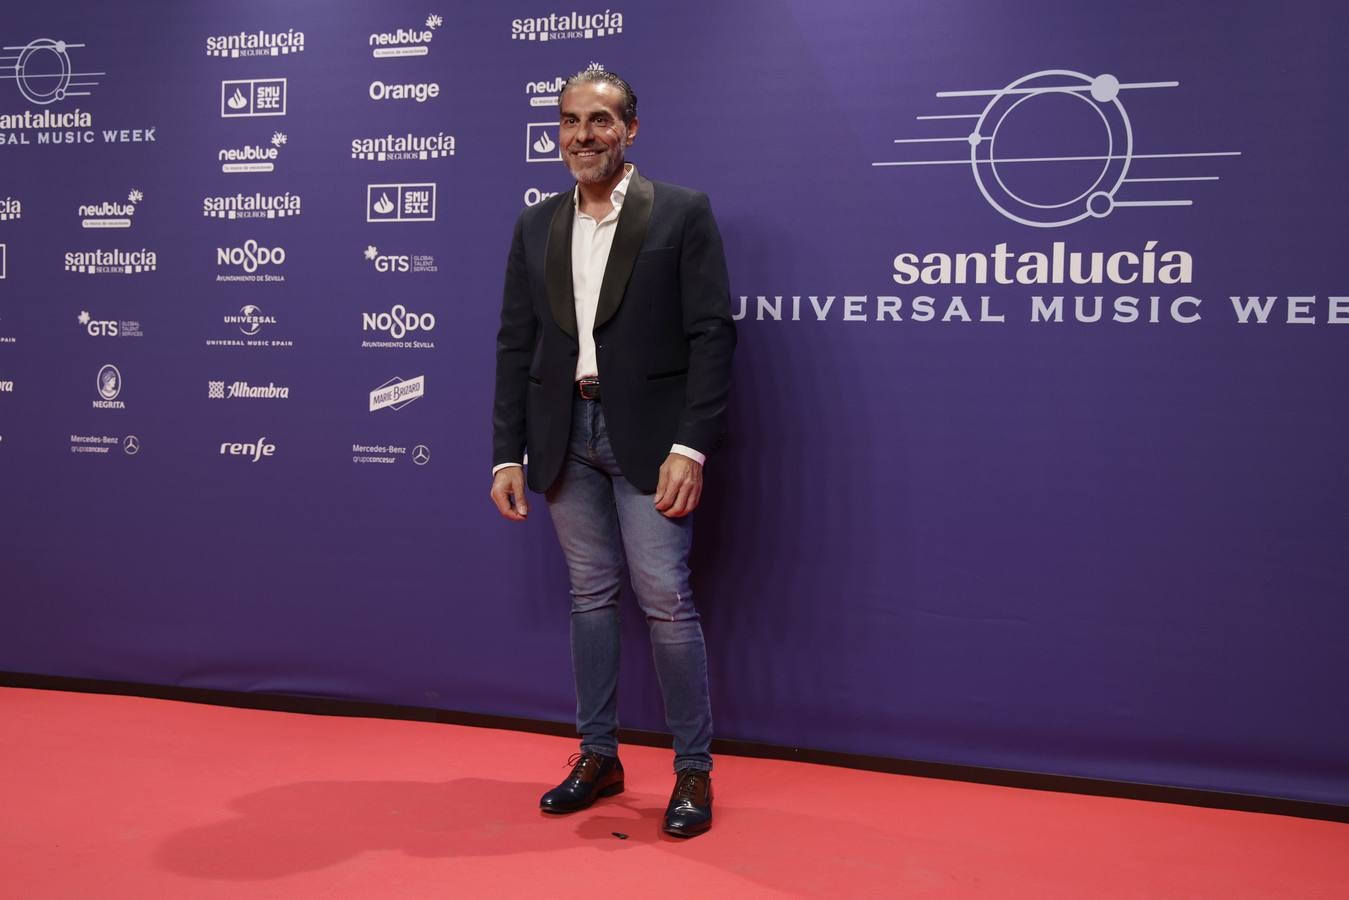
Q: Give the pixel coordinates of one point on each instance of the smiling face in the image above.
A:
(593, 134)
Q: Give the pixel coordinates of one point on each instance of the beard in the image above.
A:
(599, 168)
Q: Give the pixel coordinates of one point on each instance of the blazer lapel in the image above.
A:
(628, 238)
(557, 266)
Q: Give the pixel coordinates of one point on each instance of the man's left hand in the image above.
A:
(680, 486)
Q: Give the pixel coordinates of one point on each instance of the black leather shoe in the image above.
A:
(690, 809)
(593, 776)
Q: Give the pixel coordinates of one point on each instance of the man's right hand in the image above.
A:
(508, 493)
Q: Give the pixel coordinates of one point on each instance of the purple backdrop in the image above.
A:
(946, 530)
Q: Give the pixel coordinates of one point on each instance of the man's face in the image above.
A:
(593, 135)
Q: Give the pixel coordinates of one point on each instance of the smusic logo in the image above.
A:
(400, 202)
(256, 43)
(252, 97)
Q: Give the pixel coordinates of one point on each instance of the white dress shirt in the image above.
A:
(591, 241)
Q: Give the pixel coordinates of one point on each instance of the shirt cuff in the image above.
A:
(692, 454)
(499, 466)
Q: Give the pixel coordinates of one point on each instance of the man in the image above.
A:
(613, 369)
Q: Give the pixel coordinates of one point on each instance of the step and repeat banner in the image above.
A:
(1038, 435)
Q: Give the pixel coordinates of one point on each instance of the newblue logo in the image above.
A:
(252, 158)
(403, 42)
(109, 214)
(252, 97)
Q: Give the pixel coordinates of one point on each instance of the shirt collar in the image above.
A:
(619, 192)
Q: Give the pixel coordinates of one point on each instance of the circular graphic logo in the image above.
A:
(131, 445)
(1034, 185)
(43, 71)
(109, 382)
(421, 454)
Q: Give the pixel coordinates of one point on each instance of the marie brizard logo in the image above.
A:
(1056, 147)
(397, 393)
(44, 73)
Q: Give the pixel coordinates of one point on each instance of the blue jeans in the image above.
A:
(603, 522)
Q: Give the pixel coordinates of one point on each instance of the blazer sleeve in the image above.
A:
(515, 347)
(708, 328)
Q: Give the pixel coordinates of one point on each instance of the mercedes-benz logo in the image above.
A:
(131, 444)
(421, 454)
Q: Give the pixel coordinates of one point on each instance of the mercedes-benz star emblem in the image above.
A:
(421, 454)
(131, 444)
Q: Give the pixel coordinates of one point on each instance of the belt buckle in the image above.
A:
(586, 386)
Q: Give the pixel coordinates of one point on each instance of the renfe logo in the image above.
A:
(253, 97)
(257, 450)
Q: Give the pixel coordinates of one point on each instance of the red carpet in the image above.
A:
(112, 797)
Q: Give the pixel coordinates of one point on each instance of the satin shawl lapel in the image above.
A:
(557, 266)
(628, 238)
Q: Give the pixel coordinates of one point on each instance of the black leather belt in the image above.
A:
(588, 388)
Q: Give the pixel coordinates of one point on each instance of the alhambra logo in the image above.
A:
(1056, 147)
(567, 26)
(404, 42)
(256, 43)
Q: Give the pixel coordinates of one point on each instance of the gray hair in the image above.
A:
(600, 76)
